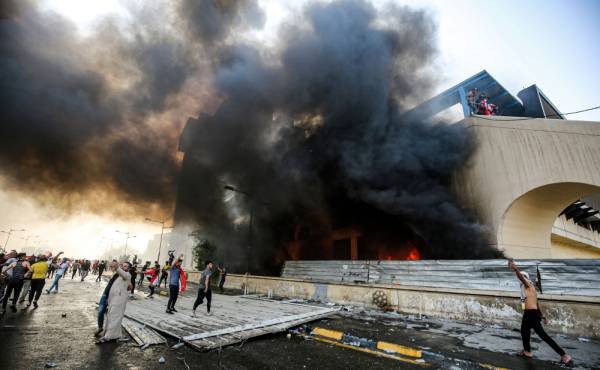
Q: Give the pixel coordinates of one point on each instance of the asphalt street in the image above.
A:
(60, 333)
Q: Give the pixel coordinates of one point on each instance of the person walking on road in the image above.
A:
(101, 268)
(75, 268)
(165, 271)
(533, 317)
(27, 281)
(85, 269)
(204, 290)
(38, 279)
(133, 273)
(15, 284)
(5, 273)
(60, 271)
(154, 278)
(113, 303)
(51, 270)
(175, 275)
(143, 274)
(222, 276)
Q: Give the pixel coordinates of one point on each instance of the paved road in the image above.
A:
(29, 339)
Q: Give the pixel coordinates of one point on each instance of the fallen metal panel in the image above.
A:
(142, 334)
(234, 319)
(262, 324)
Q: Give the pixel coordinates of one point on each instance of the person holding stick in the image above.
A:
(533, 317)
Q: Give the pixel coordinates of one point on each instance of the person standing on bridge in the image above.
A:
(533, 317)
(113, 303)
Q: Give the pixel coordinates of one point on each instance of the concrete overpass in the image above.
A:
(523, 174)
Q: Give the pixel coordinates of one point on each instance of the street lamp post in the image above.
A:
(110, 242)
(128, 236)
(10, 231)
(162, 231)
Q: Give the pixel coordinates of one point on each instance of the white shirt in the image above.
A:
(7, 264)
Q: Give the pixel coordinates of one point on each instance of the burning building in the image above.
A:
(315, 138)
(300, 205)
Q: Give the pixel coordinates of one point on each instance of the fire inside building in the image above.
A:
(259, 225)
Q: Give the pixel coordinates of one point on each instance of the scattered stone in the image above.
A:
(49, 365)
(64, 315)
(582, 339)
(178, 345)
(161, 360)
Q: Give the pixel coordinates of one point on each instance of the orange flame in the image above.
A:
(413, 255)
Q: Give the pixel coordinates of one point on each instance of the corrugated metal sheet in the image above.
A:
(561, 277)
(234, 318)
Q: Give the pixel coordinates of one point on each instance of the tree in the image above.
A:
(203, 250)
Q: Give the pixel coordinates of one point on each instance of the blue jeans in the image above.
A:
(102, 306)
(55, 282)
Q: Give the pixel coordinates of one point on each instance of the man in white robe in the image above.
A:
(116, 301)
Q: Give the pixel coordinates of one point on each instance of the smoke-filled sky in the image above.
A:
(95, 94)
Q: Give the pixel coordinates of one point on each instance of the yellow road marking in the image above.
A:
(370, 351)
(492, 367)
(407, 351)
(333, 334)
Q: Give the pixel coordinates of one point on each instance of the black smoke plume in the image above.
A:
(81, 123)
(308, 123)
(314, 135)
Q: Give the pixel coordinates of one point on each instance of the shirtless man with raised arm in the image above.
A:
(533, 316)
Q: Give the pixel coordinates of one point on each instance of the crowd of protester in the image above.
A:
(23, 278)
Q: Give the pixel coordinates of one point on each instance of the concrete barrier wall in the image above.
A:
(567, 314)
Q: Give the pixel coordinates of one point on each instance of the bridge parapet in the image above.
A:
(524, 173)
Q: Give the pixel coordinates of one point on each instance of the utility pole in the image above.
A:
(10, 231)
(128, 236)
(162, 231)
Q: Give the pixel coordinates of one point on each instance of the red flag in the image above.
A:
(183, 280)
